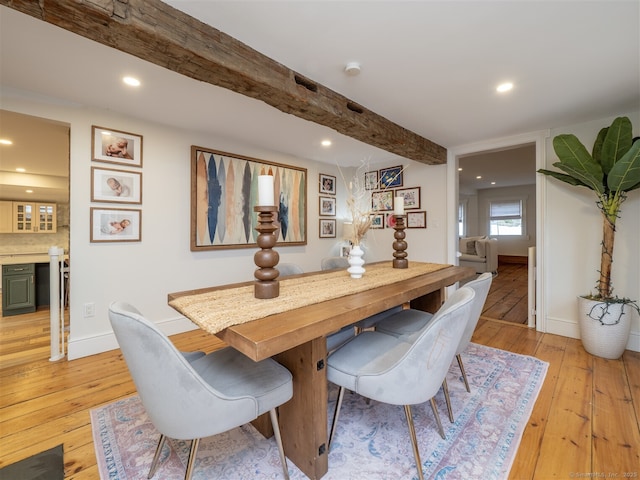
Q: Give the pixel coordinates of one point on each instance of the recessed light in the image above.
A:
(479, 177)
(5, 141)
(459, 169)
(29, 191)
(352, 69)
(493, 183)
(504, 87)
(21, 170)
(134, 82)
(326, 143)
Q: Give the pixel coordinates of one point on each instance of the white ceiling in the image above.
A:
(429, 66)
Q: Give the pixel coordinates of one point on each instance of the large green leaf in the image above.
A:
(625, 174)
(577, 162)
(596, 153)
(563, 177)
(616, 143)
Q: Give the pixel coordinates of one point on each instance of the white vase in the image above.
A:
(604, 327)
(355, 261)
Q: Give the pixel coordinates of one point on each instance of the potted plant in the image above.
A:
(610, 171)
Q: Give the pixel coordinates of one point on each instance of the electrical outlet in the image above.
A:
(89, 309)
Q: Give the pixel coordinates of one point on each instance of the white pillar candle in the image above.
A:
(265, 191)
(398, 206)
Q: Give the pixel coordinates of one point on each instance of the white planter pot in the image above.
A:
(355, 261)
(604, 327)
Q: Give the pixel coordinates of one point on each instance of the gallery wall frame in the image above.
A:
(327, 184)
(411, 197)
(327, 206)
(417, 219)
(382, 201)
(224, 192)
(327, 228)
(377, 220)
(116, 186)
(115, 225)
(371, 180)
(115, 146)
(391, 177)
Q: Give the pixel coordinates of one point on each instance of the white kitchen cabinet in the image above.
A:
(34, 217)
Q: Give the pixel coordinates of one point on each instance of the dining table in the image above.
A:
(292, 329)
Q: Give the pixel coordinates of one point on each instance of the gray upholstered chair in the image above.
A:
(330, 263)
(394, 371)
(191, 396)
(287, 269)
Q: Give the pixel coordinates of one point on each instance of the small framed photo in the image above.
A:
(377, 220)
(327, 228)
(115, 225)
(113, 146)
(327, 184)
(345, 250)
(391, 177)
(389, 220)
(371, 180)
(416, 219)
(115, 186)
(411, 197)
(327, 206)
(382, 201)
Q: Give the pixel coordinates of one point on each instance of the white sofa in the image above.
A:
(480, 253)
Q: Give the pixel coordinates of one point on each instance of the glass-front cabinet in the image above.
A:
(34, 217)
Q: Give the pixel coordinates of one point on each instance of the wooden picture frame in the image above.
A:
(115, 146)
(327, 184)
(391, 177)
(116, 186)
(224, 192)
(115, 225)
(327, 228)
(417, 219)
(371, 180)
(411, 197)
(382, 201)
(377, 220)
(327, 206)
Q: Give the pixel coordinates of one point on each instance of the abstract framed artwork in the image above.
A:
(417, 219)
(114, 146)
(371, 180)
(116, 186)
(327, 228)
(115, 225)
(327, 206)
(224, 191)
(382, 201)
(377, 220)
(327, 184)
(411, 197)
(391, 177)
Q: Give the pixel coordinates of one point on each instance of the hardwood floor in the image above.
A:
(507, 299)
(585, 421)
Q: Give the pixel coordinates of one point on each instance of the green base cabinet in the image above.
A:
(18, 289)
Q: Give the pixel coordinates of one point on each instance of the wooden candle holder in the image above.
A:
(266, 284)
(399, 245)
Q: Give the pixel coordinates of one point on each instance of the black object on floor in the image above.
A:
(48, 465)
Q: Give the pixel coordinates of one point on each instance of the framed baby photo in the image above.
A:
(328, 206)
(114, 146)
(115, 225)
(116, 186)
(327, 184)
(327, 228)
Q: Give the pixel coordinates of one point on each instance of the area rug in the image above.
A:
(47, 465)
(372, 439)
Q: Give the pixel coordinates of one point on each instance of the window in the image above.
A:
(461, 219)
(506, 217)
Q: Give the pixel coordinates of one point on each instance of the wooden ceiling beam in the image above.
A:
(158, 33)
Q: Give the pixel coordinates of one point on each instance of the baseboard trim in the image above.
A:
(567, 328)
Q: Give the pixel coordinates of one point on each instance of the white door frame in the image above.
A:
(537, 138)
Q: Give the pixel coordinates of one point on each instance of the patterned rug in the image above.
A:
(372, 439)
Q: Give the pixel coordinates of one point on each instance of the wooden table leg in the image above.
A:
(303, 419)
(430, 302)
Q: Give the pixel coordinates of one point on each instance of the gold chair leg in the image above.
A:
(156, 457)
(437, 415)
(276, 433)
(464, 374)
(192, 458)
(336, 413)
(414, 440)
(447, 398)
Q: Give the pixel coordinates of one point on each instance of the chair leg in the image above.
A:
(464, 374)
(276, 433)
(437, 415)
(192, 458)
(414, 440)
(336, 413)
(156, 457)
(447, 398)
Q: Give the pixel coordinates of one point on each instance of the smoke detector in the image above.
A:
(352, 69)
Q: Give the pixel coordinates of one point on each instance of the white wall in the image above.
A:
(145, 272)
(573, 234)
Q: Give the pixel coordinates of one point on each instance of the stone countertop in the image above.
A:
(15, 258)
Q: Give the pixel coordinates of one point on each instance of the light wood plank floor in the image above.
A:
(585, 419)
(507, 299)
